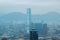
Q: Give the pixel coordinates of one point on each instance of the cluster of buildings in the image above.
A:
(40, 27)
(37, 31)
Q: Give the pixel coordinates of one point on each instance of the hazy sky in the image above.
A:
(37, 6)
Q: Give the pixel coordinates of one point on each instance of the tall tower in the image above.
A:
(29, 15)
(28, 19)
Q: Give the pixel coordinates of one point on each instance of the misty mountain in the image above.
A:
(48, 17)
(13, 16)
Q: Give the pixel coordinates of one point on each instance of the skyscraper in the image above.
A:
(44, 29)
(38, 26)
(33, 34)
(27, 34)
(29, 19)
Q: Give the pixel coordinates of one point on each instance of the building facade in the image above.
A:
(33, 34)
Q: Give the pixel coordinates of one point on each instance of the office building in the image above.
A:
(44, 29)
(33, 34)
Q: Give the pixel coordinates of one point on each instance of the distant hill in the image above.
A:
(13, 16)
(48, 17)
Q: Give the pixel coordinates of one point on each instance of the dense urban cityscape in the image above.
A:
(28, 30)
(29, 19)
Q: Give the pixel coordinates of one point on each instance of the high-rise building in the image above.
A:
(38, 26)
(33, 34)
(29, 19)
(44, 29)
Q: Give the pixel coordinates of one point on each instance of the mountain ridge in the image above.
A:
(18, 16)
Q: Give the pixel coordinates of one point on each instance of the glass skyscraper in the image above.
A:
(33, 34)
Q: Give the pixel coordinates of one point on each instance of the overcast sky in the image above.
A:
(37, 6)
